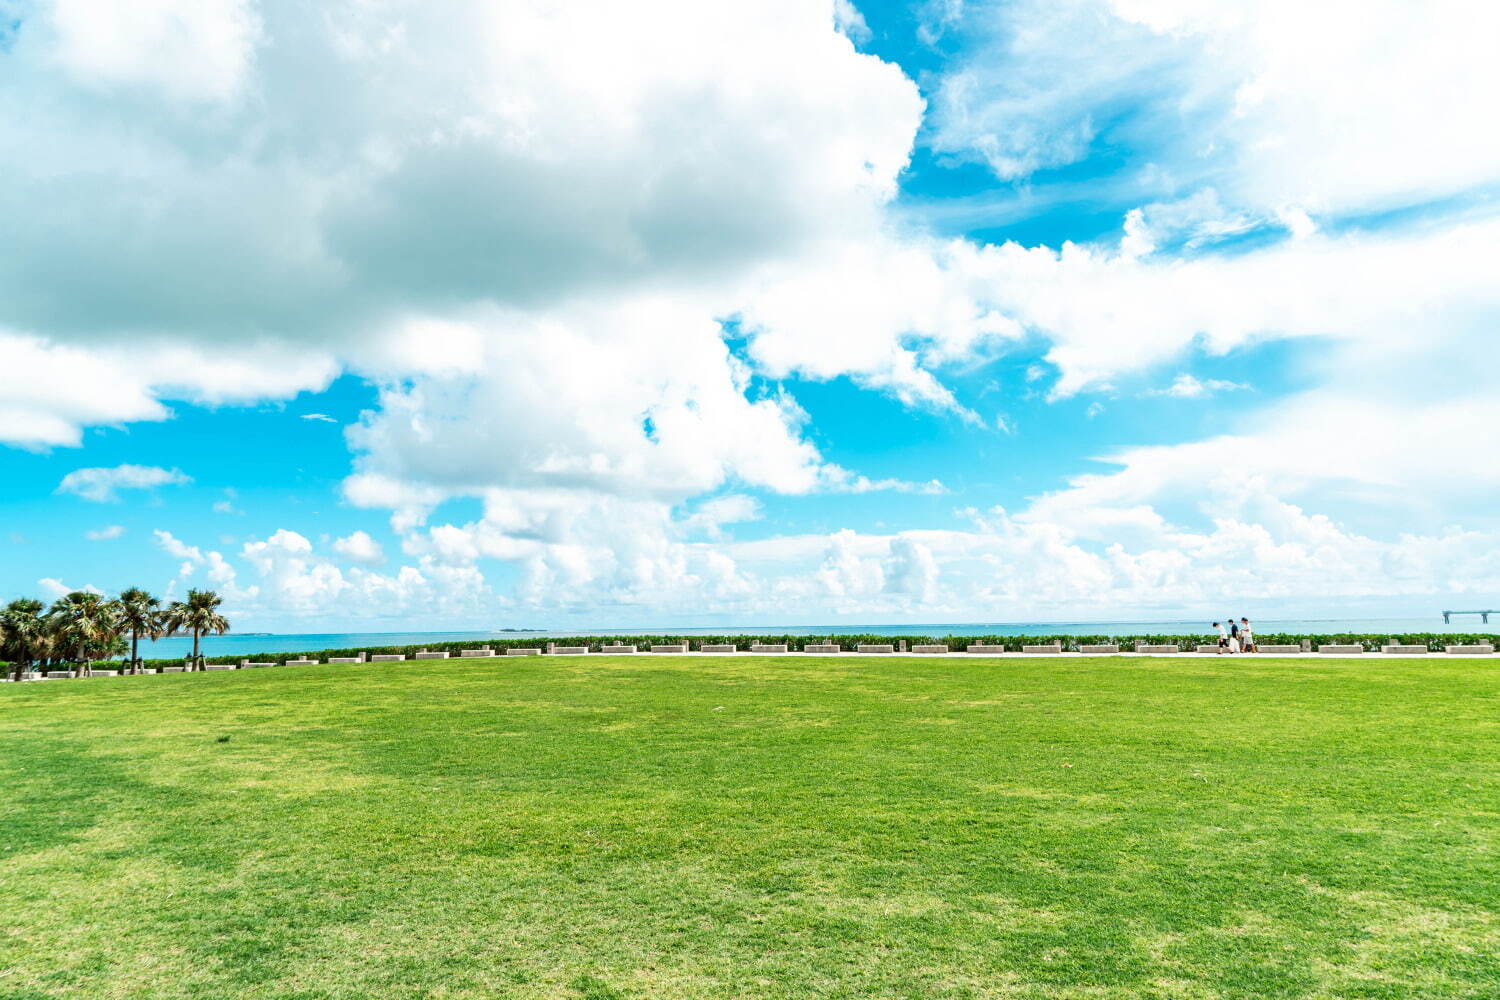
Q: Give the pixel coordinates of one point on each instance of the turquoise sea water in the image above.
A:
(229, 645)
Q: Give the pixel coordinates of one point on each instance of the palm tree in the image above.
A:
(24, 637)
(142, 615)
(117, 647)
(83, 623)
(199, 614)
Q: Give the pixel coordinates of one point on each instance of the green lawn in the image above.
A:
(609, 828)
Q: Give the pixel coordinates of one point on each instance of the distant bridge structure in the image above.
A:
(1484, 616)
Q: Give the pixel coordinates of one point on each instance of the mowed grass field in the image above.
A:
(605, 828)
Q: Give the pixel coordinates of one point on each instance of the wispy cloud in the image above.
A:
(105, 533)
(319, 416)
(226, 506)
(103, 485)
(1186, 386)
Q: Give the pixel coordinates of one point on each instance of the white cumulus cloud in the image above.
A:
(359, 547)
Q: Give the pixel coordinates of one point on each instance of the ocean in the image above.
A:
(243, 643)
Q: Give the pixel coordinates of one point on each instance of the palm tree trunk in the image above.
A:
(135, 664)
(78, 667)
(197, 660)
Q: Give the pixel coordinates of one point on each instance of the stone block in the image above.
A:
(1099, 648)
(1278, 650)
(468, 653)
(173, 670)
(1404, 650)
(569, 650)
(59, 674)
(387, 657)
(1146, 647)
(823, 647)
(345, 659)
(1339, 650)
(771, 647)
(617, 648)
(717, 647)
(929, 649)
(1210, 647)
(1480, 649)
(875, 647)
(220, 666)
(990, 650)
(522, 651)
(304, 662)
(1051, 647)
(425, 655)
(673, 648)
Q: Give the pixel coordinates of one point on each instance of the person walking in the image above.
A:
(1247, 637)
(1234, 636)
(1223, 638)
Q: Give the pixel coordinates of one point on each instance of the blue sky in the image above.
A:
(473, 315)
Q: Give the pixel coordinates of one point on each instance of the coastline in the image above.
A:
(265, 642)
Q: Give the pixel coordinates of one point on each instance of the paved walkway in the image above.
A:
(956, 655)
(1066, 655)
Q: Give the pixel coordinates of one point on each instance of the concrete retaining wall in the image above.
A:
(669, 649)
(425, 655)
(1278, 650)
(570, 649)
(1481, 648)
(717, 647)
(1405, 650)
(617, 649)
(486, 651)
(875, 647)
(823, 647)
(386, 657)
(929, 649)
(1340, 650)
(990, 650)
(519, 651)
(1051, 647)
(770, 647)
(1161, 648)
(1100, 648)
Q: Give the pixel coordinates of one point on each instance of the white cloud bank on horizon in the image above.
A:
(527, 223)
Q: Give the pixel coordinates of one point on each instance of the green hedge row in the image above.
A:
(1434, 641)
